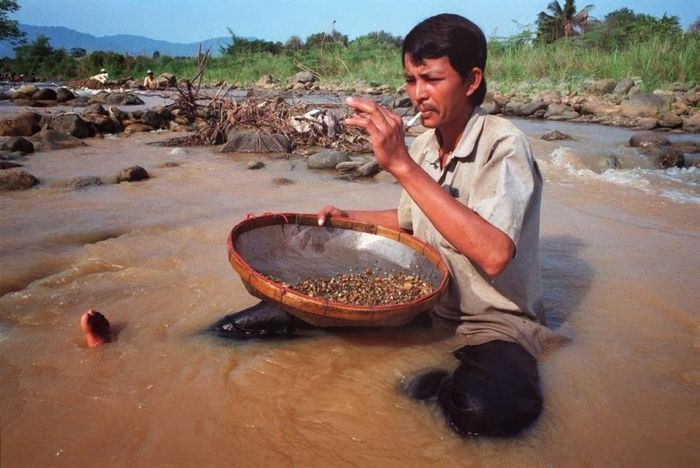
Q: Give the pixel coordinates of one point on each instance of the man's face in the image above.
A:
(437, 91)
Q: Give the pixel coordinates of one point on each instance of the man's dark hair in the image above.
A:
(453, 36)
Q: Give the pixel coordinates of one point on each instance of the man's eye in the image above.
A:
(410, 79)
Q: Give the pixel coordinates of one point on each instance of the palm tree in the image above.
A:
(561, 22)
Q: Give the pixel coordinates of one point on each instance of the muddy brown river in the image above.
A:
(620, 268)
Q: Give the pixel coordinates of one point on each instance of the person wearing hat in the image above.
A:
(102, 77)
(149, 82)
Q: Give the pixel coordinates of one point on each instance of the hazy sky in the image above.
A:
(195, 20)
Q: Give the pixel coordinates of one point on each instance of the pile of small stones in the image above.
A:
(368, 288)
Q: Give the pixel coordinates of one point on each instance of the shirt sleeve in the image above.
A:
(404, 212)
(507, 185)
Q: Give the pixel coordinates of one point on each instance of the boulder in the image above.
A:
(64, 94)
(104, 123)
(8, 165)
(84, 181)
(645, 123)
(251, 141)
(598, 106)
(55, 139)
(670, 120)
(26, 124)
(118, 114)
(623, 87)
(45, 94)
(644, 105)
(16, 180)
(253, 165)
(555, 135)
(491, 107)
(599, 87)
(95, 109)
(401, 101)
(19, 144)
(663, 157)
(648, 139)
(132, 174)
(156, 118)
(369, 169)
(327, 159)
(130, 99)
(265, 81)
(304, 77)
(73, 125)
(532, 107)
(166, 80)
(692, 124)
(24, 91)
(560, 112)
(137, 128)
(513, 108)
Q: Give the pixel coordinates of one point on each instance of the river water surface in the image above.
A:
(620, 267)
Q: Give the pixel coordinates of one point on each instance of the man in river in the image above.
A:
(472, 190)
(149, 82)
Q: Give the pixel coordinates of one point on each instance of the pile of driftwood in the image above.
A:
(305, 125)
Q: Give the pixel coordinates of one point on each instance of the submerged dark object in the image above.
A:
(293, 247)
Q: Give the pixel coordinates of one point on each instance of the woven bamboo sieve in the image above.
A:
(317, 311)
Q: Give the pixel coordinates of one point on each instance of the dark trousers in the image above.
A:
(494, 391)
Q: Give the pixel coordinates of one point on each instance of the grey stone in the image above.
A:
(45, 94)
(8, 165)
(249, 141)
(73, 125)
(16, 180)
(623, 87)
(55, 139)
(19, 144)
(599, 87)
(663, 157)
(104, 123)
(64, 94)
(648, 139)
(130, 99)
(644, 105)
(84, 181)
(26, 124)
(369, 169)
(137, 127)
(95, 109)
(327, 159)
(555, 135)
(304, 77)
(132, 174)
(255, 165)
(532, 107)
(692, 124)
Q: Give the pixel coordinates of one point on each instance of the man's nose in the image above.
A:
(421, 91)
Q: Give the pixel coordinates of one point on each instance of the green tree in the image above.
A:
(8, 28)
(319, 40)
(623, 27)
(294, 43)
(561, 21)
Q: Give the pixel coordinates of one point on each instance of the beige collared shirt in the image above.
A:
(493, 172)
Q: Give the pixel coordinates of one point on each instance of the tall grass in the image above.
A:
(658, 61)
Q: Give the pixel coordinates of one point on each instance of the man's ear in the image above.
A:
(475, 77)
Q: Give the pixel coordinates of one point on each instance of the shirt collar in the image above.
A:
(466, 142)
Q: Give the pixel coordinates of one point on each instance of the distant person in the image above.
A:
(149, 82)
(102, 76)
(96, 328)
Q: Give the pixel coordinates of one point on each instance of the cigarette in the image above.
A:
(413, 120)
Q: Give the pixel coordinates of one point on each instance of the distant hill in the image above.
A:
(64, 38)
